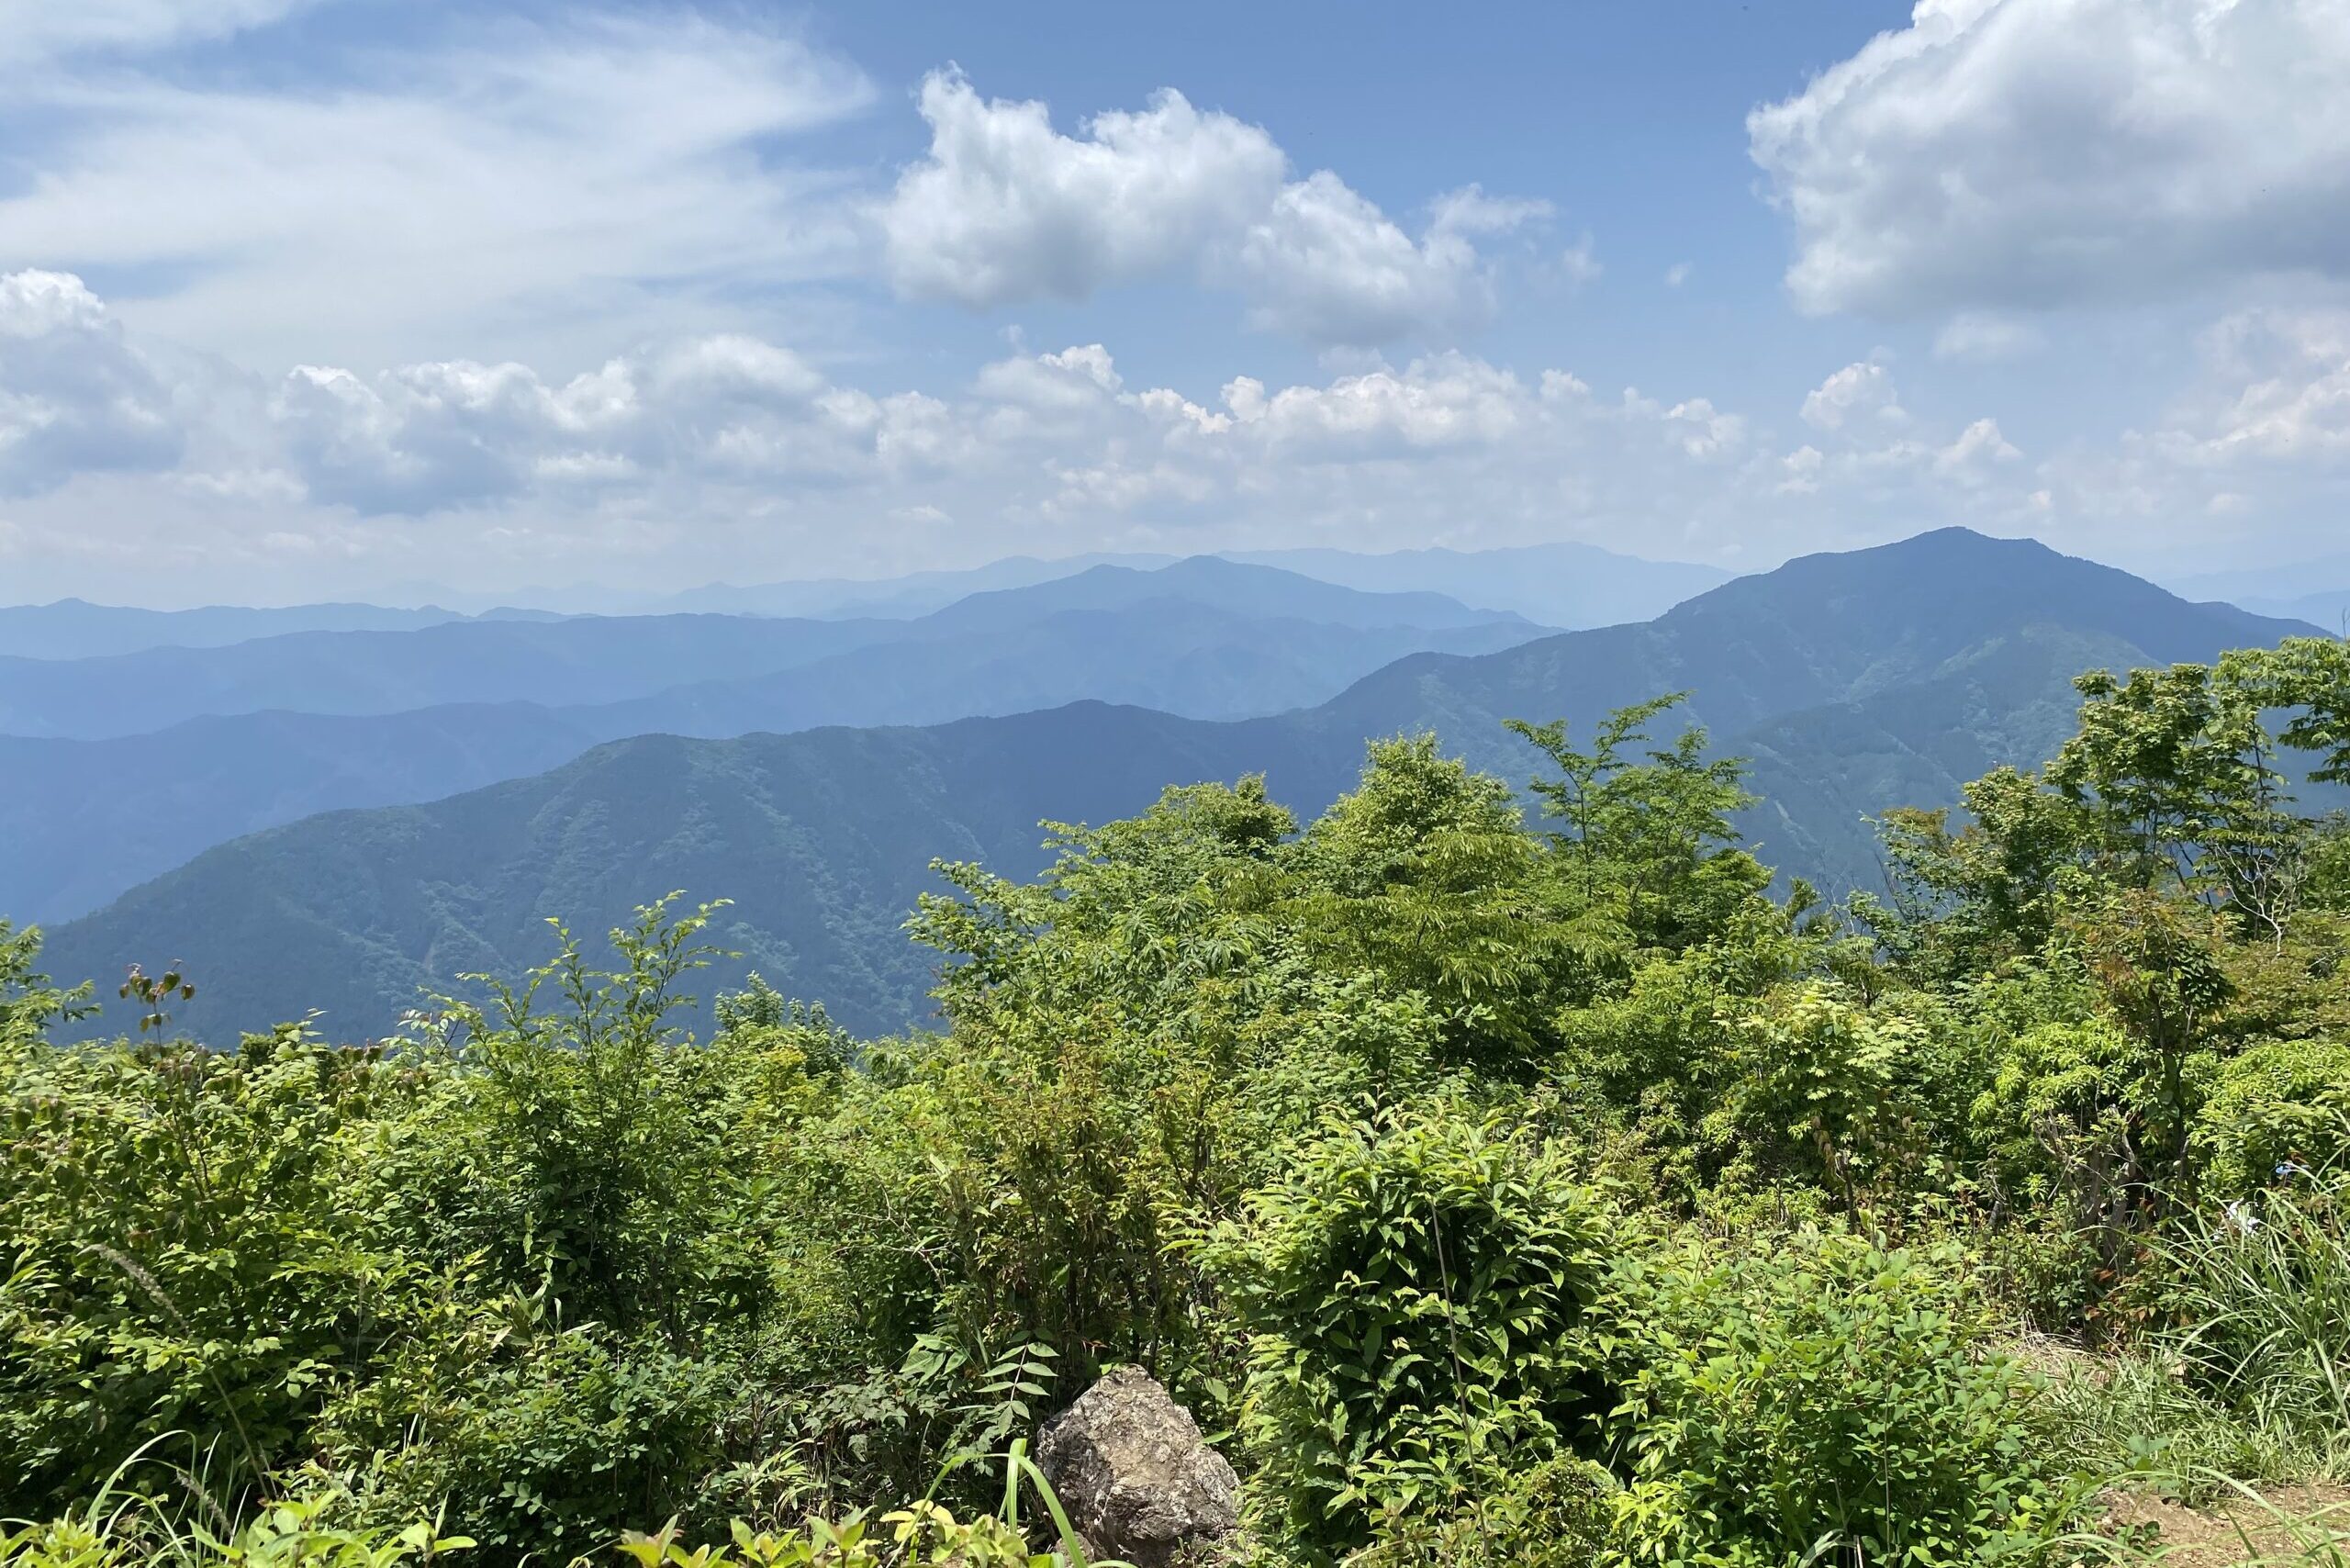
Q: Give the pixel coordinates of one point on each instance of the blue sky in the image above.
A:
(311, 297)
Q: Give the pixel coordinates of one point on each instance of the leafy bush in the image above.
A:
(1422, 1293)
(182, 1255)
(1820, 1393)
(2282, 1104)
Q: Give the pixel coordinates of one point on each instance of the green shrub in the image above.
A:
(2280, 1104)
(179, 1254)
(1552, 1515)
(1820, 1393)
(1421, 1291)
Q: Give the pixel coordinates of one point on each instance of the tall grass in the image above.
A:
(2262, 1290)
(124, 1527)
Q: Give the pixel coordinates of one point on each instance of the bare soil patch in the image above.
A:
(2291, 1525)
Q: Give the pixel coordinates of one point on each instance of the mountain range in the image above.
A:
(270, 730)
(75, 629)
(1854, 681)
(1564, 585)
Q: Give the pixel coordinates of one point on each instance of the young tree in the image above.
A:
(1653, 824)
(2177, 773)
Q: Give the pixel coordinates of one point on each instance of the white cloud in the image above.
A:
(31, 30)
(1580, 262)
(598, 169)
(1979, 448)
(1327, 265)
(1445, 401)
(1004, 209)
(76, 395)
(716, 455)
(1801, 468)
(1678, 274)
(1856, 397)
(444, 434)
(2003, 154)
(2278, 391)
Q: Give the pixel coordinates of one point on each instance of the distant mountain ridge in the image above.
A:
(1563, 585)
(82, 820)
(1566, 585)
(75, 629)
(1855, 682)
(590, 659)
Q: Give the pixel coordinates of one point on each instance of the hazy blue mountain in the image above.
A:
(894, 598)
(82, 820)
(586, 659)
(1822, 628)
(1231, 586)
(1554, 585)
(2329, 610)
(2274, 583)
(75, 629)
(1558, 584)
(1856, 682)
(595, 659)
(1177, 655)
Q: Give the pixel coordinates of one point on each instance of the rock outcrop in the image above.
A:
(1139, 1483)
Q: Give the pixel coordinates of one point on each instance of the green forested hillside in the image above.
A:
(1858, 681)
(81, 821)
(827, 835)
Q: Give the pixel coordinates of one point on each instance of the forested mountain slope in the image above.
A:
(83, 819)
(1858, 682)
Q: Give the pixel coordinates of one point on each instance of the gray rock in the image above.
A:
(1128, 1465)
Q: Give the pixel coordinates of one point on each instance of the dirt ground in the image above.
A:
(2300, 1525)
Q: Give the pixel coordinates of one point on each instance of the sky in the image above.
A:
(350, 298)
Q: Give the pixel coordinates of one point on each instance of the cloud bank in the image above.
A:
(2039, 153)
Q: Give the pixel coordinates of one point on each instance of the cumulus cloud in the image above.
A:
(722, 455)
(1978, 449)
(447, 433)
(1005, 208)
(1856, 397)
(2006, 154)
(76, 395)
(428, 437)
(2278, 390)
